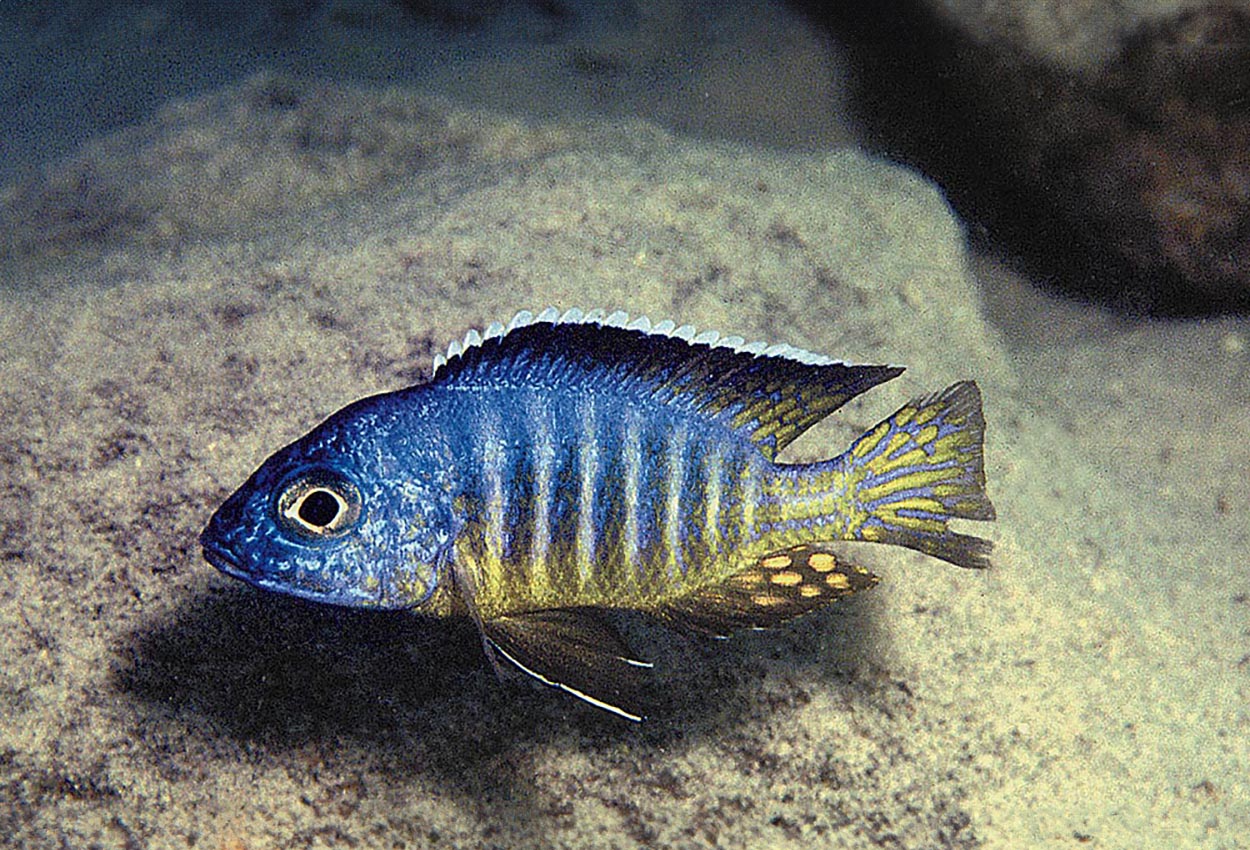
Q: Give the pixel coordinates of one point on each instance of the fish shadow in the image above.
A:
(281, 671)
(419, 693)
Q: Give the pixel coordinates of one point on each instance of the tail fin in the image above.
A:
(920, 468)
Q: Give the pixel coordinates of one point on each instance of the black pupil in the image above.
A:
(319, 508)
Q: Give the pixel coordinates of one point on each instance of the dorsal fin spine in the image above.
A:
(768, 393)
(620, 319)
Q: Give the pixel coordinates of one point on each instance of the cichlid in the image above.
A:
(567, 464)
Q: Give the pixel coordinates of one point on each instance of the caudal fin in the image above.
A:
(920, 468)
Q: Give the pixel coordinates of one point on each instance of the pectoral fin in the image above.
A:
(778, 587)
(575, 650)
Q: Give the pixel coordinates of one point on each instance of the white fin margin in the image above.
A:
(621, 319)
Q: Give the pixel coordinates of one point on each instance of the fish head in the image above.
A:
(354, 514)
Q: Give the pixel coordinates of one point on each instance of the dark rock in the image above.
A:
(1122, 174)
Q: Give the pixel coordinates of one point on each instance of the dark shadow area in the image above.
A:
(278, 670)
(419, 696)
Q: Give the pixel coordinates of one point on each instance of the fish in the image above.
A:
(564, 465)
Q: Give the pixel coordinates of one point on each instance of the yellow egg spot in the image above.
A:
(838, 582)
(776, 562)
(807, 591)
(822, 562)
(765, 601)
(787, 579)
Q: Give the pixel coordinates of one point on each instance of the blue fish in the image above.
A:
(568, 464)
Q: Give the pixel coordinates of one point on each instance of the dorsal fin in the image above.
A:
(770, 394)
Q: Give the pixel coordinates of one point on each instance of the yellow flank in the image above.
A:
(752, 531)
(748, 579)
(798, 510)
(871, 533)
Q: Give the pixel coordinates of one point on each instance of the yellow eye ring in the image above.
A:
(319, 504)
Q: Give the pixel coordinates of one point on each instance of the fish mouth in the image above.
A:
(222, 558)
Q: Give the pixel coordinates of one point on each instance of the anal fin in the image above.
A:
(576, 650)
(778, 587)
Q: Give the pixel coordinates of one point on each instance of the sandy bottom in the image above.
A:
(181, 323)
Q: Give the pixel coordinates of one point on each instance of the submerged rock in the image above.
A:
(1107, 143)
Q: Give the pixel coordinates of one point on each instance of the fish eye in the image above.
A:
(319, 504)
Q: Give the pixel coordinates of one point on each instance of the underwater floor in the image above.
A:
(186, 295)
